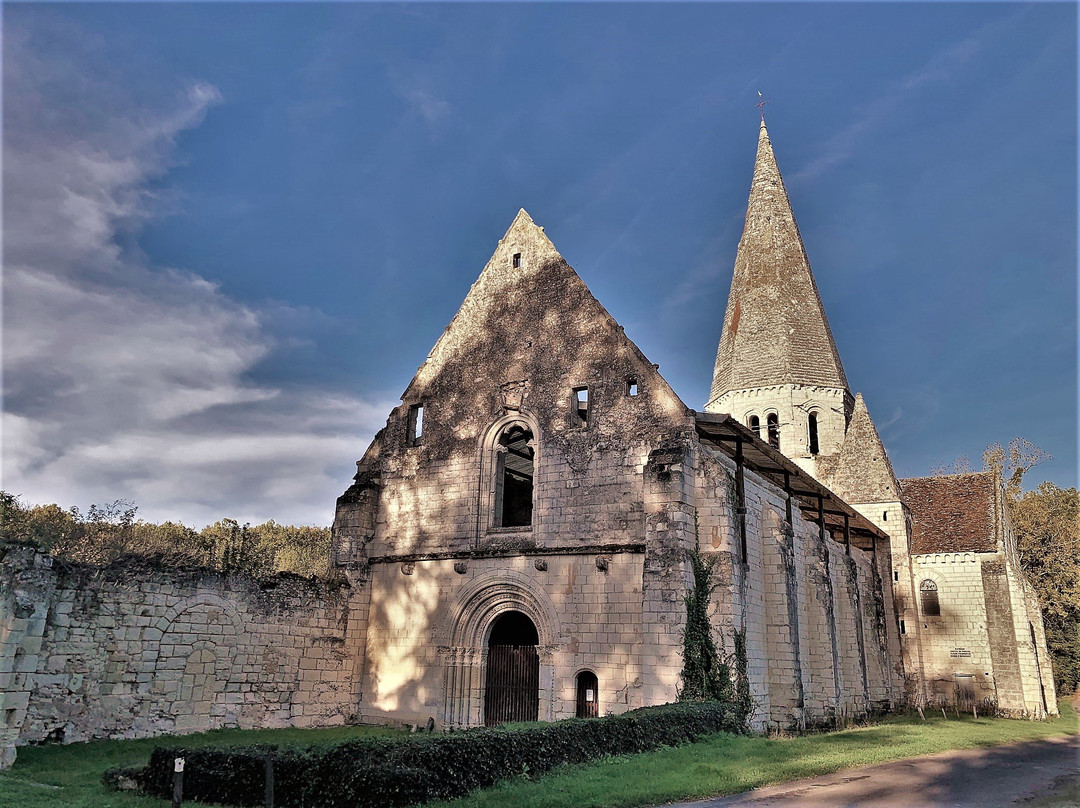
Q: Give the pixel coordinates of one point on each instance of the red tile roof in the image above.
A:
(952, 514)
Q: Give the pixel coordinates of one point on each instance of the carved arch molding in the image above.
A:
(462, 642)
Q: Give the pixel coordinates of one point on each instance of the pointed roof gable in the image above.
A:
(861, 471)
(530, 312)
(775, 329)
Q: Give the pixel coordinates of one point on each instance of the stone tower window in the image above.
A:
(416, 424)
(631, 387)
(514, 484)
(773, 423)
(755, 424)
(928, 596)
(515, 262)
(580, 404)
(812, 429)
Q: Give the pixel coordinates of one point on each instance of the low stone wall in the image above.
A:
(134, 650)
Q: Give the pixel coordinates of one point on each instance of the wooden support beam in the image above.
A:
(847, 534)
(820, 518)
(740, 498)
(787, 490)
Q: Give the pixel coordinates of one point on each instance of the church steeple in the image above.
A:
(777, 368)
(775, 329)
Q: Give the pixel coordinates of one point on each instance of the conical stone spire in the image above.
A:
(775, 329)
(861, 472)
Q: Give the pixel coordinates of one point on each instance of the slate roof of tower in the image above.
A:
(861, 471)
(952, 514)
(775, 328)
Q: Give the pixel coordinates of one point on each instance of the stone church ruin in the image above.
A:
(515, 544)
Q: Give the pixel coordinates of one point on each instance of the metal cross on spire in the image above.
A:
(762, 101)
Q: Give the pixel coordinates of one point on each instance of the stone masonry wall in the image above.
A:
(133, 650)
(816, 619)
(426, 647)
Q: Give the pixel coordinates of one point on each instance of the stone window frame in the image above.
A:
(772, 412)
(576, 421)
(491, 468)
(414, 424)
(935, 587)
(813, 430)
(748, 418)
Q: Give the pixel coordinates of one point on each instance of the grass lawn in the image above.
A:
(66, 776)
(60, 776)
(729, 764)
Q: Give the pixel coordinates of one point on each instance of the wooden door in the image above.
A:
(512, 689)
(588, 695)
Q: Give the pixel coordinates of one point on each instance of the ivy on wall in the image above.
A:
(706, 674)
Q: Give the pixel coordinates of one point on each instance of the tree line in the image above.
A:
(105, 533)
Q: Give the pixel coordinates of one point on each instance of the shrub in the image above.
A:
(416, 768)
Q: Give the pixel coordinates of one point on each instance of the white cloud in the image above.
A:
(123, 379)
(942, 66)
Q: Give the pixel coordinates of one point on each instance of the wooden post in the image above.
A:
(847, 535)
(178, 783)
(740, 497)
(821, 518)
(268, 764)
(787, 505)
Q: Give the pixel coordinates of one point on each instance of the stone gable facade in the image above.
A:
(624, 480)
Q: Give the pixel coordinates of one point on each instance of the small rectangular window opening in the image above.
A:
(581, 405)
(631, 387)
(516, 261)
(416, 424)
(903, 627)
(896, 576)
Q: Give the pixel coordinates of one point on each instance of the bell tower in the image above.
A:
(777, 368)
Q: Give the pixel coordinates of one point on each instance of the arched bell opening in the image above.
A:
(512, 686)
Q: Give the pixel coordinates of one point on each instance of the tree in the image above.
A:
(108, 532)
(1046, 523)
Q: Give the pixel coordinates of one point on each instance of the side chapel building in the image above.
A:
(519, 531)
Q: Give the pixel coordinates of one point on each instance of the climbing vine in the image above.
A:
(706, 675)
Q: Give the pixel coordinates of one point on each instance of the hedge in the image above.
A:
(415, 768)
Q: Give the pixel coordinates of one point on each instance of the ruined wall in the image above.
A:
(133, 650)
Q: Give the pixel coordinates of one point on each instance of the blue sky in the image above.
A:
(232, 232)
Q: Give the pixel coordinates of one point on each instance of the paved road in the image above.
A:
(973, 778)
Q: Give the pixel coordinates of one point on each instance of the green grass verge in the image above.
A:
(65, 776)
(729, 764)
(70, 776)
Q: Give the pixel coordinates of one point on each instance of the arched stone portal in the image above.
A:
(464, 638)
(512, 683)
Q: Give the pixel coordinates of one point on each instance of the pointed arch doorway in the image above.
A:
(512, 686)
